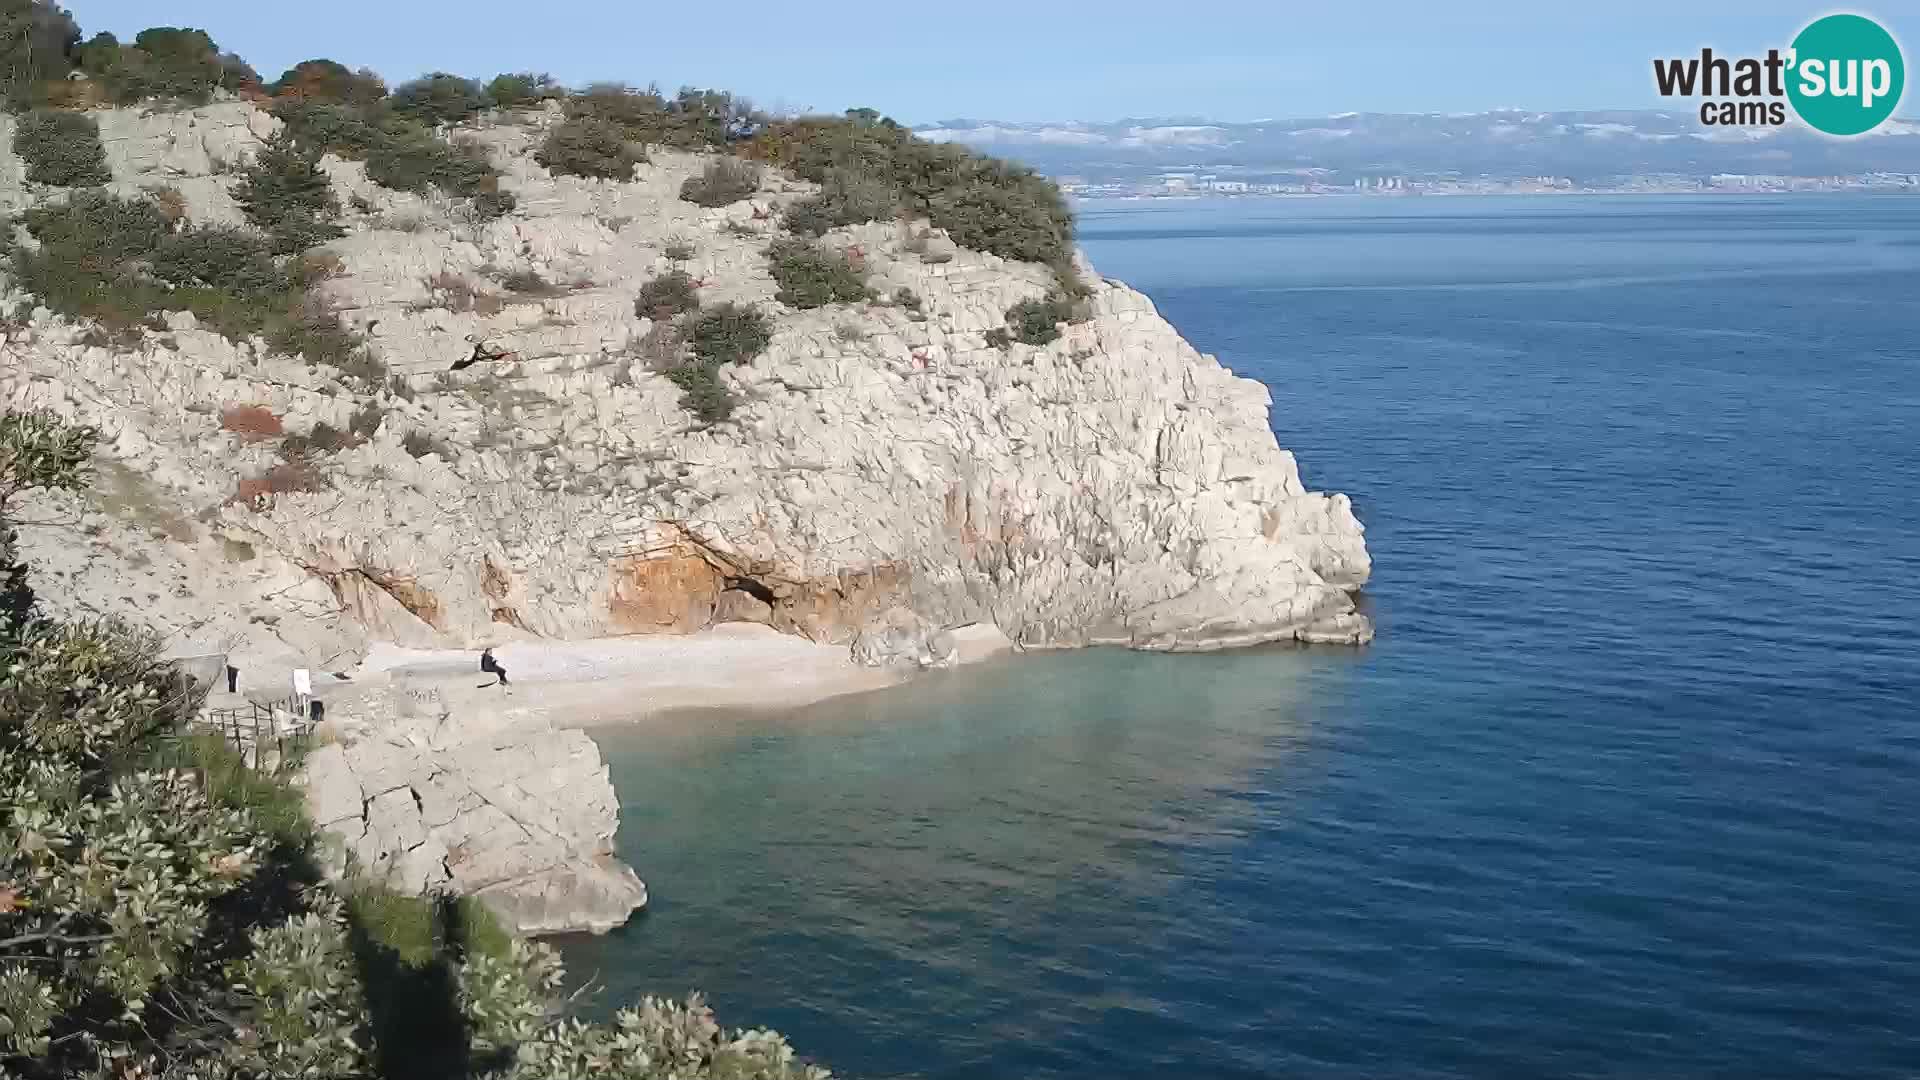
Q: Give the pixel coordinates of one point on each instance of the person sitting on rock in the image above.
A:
(492, 667)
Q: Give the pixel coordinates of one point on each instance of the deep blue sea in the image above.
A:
(1629, 786)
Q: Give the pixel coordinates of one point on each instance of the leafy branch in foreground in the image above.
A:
(162, 915)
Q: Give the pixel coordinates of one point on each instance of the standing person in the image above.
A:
(491, 666)
(233, 679)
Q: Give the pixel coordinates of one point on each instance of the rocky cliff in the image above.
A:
(887, 463)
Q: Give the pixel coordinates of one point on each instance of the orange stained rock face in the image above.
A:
(680, 591)
(669, 592)
(355, 589)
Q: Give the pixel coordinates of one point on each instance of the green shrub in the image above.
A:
(636, 112)
(401, 152)
(36, 41)
(1006, 211)
(416, 161)
(724, 181)
(165, 62)
(313, 331)
(166, 918)
(592, 147)
(87, 262)
(521, 90)
(999, 337)
(527, 283)
(323, 439)
(326, 125)
(1037, 322)
(438, 99)
(703, 118)
(984, 203)
(65, 287)
(809, 277)
(98, 232)
(702, 391)
(94, 246)
(220, 257)
(693, 120)
(846, 198)
(489, 205)
(276, 806)
(729, 333)
(61, 148)
(666, 296)
(284, 192)
(679, 251)
(328, 81)
(366, 420)
(419, 444)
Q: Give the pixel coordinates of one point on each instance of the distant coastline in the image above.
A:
(1894, 184)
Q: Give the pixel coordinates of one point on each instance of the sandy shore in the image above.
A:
(611, 680)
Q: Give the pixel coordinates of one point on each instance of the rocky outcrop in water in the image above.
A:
(1114, 486)
(490, 804)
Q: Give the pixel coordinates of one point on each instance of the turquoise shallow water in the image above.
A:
(1628, 787)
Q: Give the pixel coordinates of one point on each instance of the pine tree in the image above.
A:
(285, 192)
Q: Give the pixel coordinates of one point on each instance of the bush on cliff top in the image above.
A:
(723, 182)
(591, 147)
(438, 99)
(401, 152)
(164, 62)
(61, 148)
(692, 120)
(36, 42)
(845, 198)
(162, 913)
(521, 90)
(328, 81)
(985, 204)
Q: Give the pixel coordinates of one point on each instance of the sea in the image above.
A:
(1628, 786)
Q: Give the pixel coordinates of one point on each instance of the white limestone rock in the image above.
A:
(1113, 486)
(506, 809)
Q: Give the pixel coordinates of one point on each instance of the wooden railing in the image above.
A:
(263, 732)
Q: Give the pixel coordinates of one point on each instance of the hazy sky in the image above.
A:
(1030, 59)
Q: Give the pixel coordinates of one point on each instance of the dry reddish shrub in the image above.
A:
(251, 422)
(76, 94)
(173, 205)
(279, 480)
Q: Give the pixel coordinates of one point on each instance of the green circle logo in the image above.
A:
(1847, 75)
